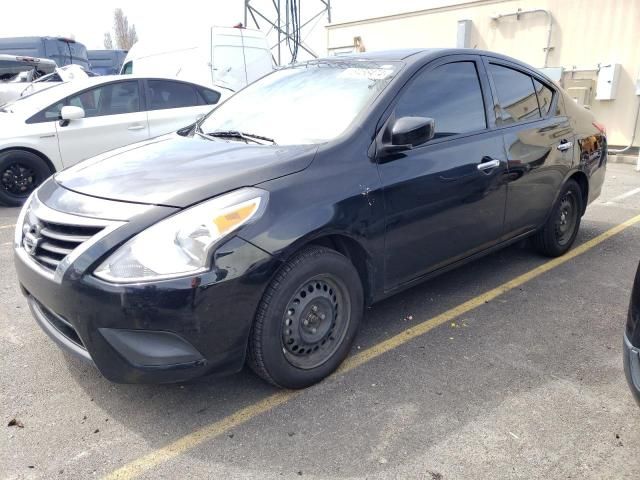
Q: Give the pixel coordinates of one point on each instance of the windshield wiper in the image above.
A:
(247, 137)
(200, 134)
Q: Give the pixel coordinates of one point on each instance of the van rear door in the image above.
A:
(239, 56)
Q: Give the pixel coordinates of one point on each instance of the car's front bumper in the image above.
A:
(160, 332)
(631, 357)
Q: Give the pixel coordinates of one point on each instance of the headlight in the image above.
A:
(17, 235)
(183, 243)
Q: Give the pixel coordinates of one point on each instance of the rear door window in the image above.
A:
(450, 94)
(168, 94)
(516, 96)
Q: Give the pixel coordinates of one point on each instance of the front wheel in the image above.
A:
(20, 173)
(561, 229)
(307, 319)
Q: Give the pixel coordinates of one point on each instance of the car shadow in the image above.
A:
(488, 356)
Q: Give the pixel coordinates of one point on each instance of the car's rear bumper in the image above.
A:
(631, 357)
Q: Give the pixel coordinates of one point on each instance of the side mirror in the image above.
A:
(409, 132)
(69, 113)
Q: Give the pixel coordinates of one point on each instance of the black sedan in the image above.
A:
(262, 232)
(632, 341)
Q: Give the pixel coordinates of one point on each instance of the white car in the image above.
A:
(17, 72)
(68, 122)
(14, 90)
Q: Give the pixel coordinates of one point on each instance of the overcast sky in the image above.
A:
(87, 21)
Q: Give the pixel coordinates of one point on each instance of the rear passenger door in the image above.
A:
(538, 141)
(172, 105)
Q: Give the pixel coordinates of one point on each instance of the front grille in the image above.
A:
(49, 243)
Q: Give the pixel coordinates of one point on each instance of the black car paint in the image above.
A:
(631, 344)
(401, 219)
(184, 171)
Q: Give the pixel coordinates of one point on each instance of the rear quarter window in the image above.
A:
(545, 97)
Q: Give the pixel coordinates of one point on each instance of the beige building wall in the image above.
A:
(585, 33)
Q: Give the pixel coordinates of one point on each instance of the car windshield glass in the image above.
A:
(104, 70)
(309, 103)
(29, 97)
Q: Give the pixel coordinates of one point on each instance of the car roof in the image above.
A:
(97, 80)
(387, 55)
(414, 55)
(59, 91)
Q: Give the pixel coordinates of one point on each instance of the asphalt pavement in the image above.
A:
(444, 382)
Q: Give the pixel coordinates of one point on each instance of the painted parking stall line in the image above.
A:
(242, 416)
(3, 227)
(624, 196)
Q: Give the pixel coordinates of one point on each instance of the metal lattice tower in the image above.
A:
(285, 19)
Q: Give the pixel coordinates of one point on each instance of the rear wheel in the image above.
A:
(561, 229)
(307, 319)
(20, 173)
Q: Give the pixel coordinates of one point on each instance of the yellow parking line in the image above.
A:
(6, 244)
(193, 439)
(2, 227)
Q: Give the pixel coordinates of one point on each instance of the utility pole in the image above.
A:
(284, 17)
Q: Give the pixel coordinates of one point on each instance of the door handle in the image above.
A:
(136, 127)
(488, 165)
(564, 146)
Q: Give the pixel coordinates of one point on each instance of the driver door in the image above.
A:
(445, 199)
(114, 117)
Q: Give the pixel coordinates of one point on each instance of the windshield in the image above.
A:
(309, 103)
(28, 100)
(104, 70)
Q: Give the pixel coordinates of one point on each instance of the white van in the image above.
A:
(221, 56)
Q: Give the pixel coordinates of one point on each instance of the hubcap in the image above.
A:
(18, 180)
(567, 218)
(315, 322)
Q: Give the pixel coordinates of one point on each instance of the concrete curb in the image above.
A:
(626, 159)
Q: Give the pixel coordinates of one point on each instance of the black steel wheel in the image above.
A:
(307, 319)
(566, 218)
(561, 229)
(315, 321)
(21, 172)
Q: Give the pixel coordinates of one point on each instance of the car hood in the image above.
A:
(179, 171)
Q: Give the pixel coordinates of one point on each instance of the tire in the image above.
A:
(560, 231)
(293, 342)
(20, 173)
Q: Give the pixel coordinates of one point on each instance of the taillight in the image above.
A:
(601, 128)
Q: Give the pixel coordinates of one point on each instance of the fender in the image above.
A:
(585, 195)
(46, 159)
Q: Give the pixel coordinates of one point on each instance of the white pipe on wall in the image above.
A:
(633, 136)
(549, 28)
